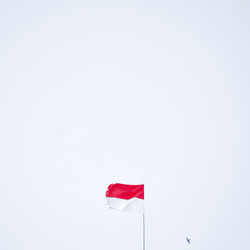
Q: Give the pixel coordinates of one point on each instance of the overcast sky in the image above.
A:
(98, 92)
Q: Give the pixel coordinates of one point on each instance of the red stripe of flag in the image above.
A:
(126, 192)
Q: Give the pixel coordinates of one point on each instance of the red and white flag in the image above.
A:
(126, 197)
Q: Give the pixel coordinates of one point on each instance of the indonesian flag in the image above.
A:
(126, 197)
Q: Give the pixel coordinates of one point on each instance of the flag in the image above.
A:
(126, 197)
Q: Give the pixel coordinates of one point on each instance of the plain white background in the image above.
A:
(95, 92)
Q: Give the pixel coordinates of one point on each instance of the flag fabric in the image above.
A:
(126, 197)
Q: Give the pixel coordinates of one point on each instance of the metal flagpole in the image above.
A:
(144, 217)
(143, 231)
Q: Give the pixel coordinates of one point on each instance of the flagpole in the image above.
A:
(144, 218)
(143, 231)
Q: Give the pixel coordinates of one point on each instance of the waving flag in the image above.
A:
(126, 197)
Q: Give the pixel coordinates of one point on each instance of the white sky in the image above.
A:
(124, 91)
